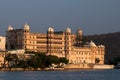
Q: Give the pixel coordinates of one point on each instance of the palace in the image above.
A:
(60, 43)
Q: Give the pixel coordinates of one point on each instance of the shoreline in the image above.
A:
(48, 69)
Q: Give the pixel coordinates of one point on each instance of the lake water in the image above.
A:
(62, 75)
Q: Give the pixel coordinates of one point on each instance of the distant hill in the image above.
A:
(111, 42)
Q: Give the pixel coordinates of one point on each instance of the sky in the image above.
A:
(92, 16)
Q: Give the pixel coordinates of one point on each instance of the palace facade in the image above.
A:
(60, 43)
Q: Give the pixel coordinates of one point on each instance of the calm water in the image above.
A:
(62, 75)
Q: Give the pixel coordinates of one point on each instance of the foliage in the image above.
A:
(114, 61)
(11, 57)
(50, 59)
(39, 60)
(63, 60)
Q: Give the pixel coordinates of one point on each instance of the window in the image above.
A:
(83, 53)
(89, 53)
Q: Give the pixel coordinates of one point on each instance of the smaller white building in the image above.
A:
(2, 43)
(2, 50)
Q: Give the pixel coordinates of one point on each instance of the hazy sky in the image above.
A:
(92, 16)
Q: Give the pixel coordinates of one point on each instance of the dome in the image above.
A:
(50, 29)
(101, 46)
(26, 27)
(68, 30)
(92, 44)
(9, 28)
(79, 31)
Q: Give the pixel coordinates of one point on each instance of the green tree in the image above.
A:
(51, 60)
(37, 61)
(11, 58)
(63, 60)
(114, 61)
(33, 62)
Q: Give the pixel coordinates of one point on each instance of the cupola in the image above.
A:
(68, 30)
(26, 27)
(50, 29)
(9, 28)
(92, 44)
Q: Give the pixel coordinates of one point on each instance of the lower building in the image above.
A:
(2, 58)
(89, 53)
(2, 43)
(2, 50)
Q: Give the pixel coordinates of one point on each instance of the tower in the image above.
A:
(8, 41)
(67, 42)
(79, 35)
(93, 48)
(50, 33)
(101, 51)
(26, 31)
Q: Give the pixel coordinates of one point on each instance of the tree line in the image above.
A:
(38, 60)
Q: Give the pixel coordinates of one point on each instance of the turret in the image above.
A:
(68, 30)
(79, 35)
(79, 32)
(50, 33)
(9, 28)
(26, 28)
(67, 42)
(50, 30)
